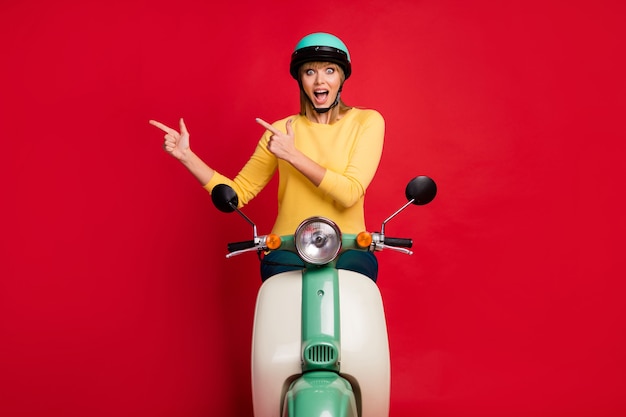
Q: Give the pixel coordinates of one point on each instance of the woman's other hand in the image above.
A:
(174, 143)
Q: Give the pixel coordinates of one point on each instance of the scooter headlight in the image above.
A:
(318, 240)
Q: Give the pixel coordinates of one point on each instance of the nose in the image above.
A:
(319, 77)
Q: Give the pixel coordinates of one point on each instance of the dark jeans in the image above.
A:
(353, 260)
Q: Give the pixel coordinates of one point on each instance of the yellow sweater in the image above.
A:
(349, 149)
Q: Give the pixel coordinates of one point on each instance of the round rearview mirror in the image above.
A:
(421, 190)
(224, 198)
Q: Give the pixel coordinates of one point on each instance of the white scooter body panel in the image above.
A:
(276, 342)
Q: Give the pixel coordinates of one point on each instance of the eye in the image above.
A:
(330, 70)
(309, 71)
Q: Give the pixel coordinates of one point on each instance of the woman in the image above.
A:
(326, 155)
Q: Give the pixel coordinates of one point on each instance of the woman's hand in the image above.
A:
(175, 143)
(282, 145)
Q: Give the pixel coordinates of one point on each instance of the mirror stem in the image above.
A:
(382, 228)
(245, 218)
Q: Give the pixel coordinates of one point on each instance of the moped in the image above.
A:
(319, 343)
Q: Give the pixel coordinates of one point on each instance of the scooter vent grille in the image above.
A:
(321, 354)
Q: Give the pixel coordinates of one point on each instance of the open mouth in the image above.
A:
(320, 96)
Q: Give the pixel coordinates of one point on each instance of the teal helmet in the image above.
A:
(320, 47)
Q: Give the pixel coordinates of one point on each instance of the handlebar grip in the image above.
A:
(398, 242)
(235, 246)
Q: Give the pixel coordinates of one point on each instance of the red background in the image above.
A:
(116, 299)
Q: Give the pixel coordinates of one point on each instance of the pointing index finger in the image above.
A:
(268, 126)
(161, 126)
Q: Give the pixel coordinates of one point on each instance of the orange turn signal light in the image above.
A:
(364, 239)
(273, 241)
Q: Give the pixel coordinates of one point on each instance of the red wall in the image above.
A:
(116, 299)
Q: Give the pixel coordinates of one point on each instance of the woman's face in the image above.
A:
(321, 82)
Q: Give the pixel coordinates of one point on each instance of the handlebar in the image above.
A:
(237, 246)
(379, 243)
(398, 242)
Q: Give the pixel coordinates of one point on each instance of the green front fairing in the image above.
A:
(320, 394)
(320, 390)
(320, 310)
(320, 319)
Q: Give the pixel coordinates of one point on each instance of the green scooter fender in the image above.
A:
(320, 393)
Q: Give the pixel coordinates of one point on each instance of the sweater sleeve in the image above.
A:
(347, 187)
(255, 174)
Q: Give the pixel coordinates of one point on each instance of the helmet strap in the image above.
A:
(332, 106)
